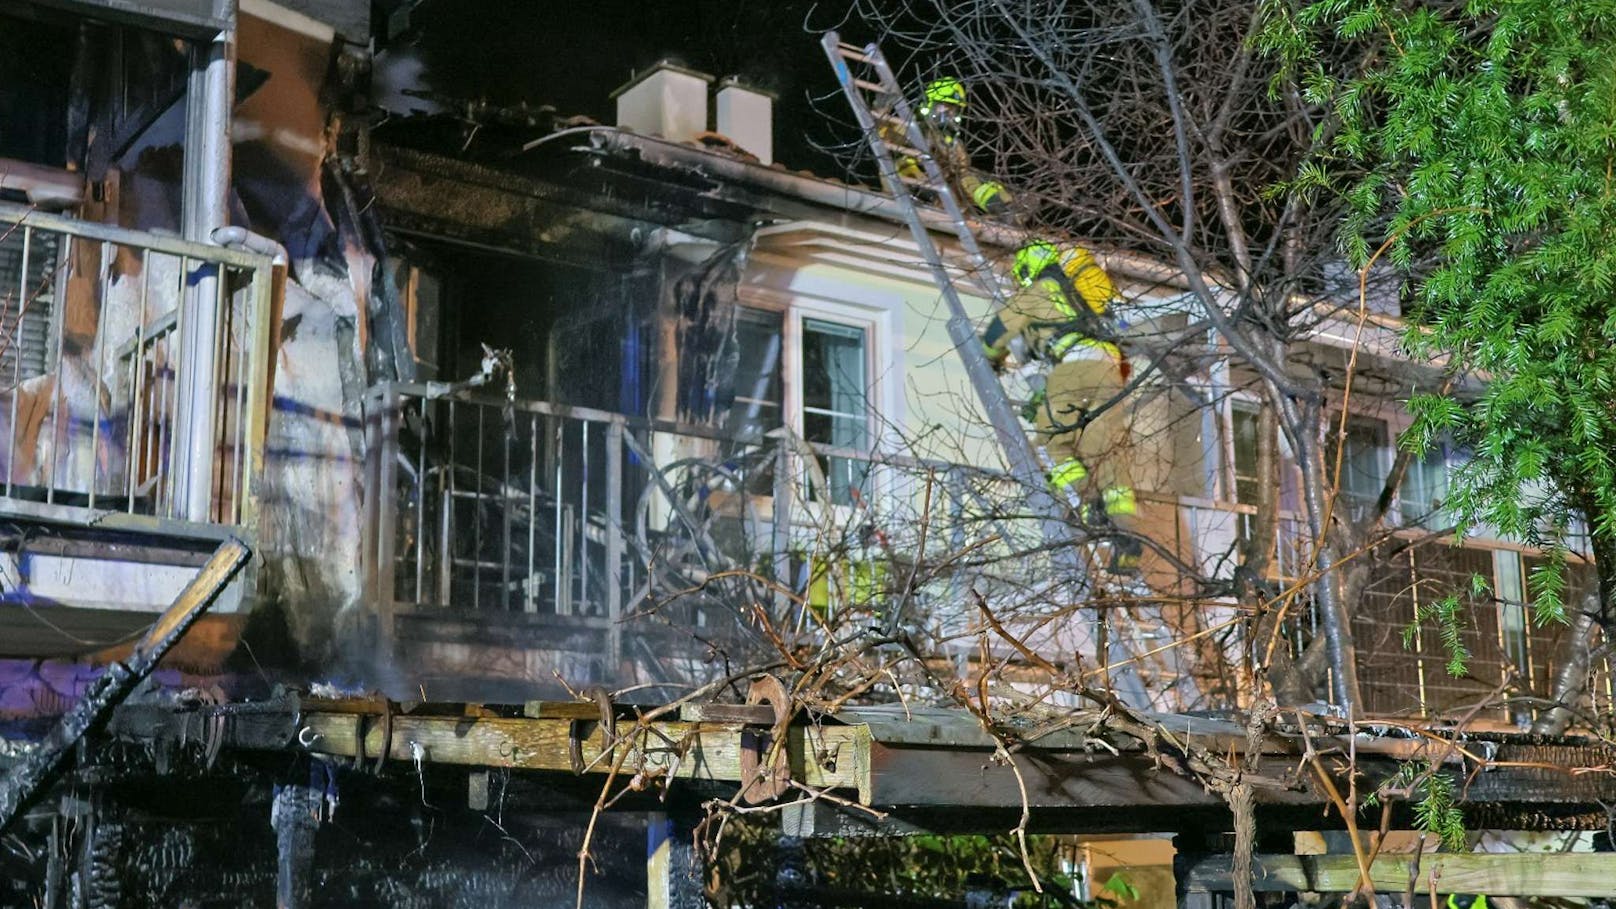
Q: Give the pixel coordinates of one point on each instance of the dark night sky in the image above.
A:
(572, 54)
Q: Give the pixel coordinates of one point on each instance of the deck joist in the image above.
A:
(915, 769)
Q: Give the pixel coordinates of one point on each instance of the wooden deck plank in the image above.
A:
(1512, 874)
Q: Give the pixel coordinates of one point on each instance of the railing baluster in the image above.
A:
(171, 392)
(219, 373)
(615, 523)
(421, 479)
(477, 519)
(582, 546)
(16, 354)
(564, 589)
(389, 417)
(445, 550)
(238, 486)
(57, 436)
(508, 428)
(530, 585)
(559, 451)
(780, 530)
(137, 366)
(107, 258)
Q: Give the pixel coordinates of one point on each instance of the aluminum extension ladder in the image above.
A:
(874, 82)
(877, 99)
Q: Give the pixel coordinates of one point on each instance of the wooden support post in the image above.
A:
(1189, 848)
(672, 869)
(55, 865)
(791, 875)
(295, 816)
(96, 881)
(477, 790)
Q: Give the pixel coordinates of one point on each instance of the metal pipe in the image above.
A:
(242, 238)
(205, 208)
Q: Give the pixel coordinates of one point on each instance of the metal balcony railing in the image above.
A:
(615, 526)
(93, 327)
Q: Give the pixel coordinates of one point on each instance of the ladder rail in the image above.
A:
(1025, 463)
(981, 269)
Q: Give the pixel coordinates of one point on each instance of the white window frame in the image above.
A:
(791, 366)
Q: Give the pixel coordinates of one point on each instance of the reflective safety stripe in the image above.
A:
(1070, 341)
(1067, 472)
(1119, 500)
(985, 192)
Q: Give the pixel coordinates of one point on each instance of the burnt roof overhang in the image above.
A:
(200, 19)
(576, 207)
(622, 173)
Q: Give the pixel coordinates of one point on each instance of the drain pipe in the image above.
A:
(205, 207)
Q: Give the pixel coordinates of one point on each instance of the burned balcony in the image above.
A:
(135, 368)
(522, 540)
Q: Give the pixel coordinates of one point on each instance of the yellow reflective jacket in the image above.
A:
(1043, 316)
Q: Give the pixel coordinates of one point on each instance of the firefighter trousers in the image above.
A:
(1091, 454)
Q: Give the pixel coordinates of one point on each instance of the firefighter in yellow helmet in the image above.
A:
(941, 114)
(1062, 314)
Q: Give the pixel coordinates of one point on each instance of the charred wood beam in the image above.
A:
(917, 772)
(682, 750)
(503, 209)
(268, 725)
(29, 776)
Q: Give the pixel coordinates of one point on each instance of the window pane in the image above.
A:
(833, 367)
(1424, 486)
(1511, 605)
(834, 401)
(1244, 429)
(1363, 471)
(756, 408)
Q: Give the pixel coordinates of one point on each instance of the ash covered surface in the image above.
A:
(391, 841)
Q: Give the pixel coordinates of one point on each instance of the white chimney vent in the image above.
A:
(666, 100)
(746, 116)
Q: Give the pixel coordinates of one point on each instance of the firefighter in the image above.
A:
(941, 114)
(1062, 314)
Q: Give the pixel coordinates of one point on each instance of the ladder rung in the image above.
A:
(869, 86)
(854, 53)
(907, 151)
